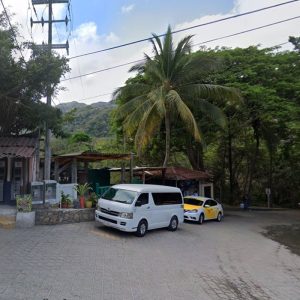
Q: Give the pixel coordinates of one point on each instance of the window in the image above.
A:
(143, 198)
(193, 201)
(167, 198)
(212, 202)
(119, 195)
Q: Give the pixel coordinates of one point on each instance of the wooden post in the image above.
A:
(131, 167)
(74, 170)
(56, 172)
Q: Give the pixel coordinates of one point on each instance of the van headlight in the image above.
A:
(126, 215)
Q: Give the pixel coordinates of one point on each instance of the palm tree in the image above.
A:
(167, 91)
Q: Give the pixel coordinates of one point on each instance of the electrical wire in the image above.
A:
(111, 93)
(185, 29)
(12, 29)
(201, 43)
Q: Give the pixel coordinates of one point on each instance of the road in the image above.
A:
(228, 260)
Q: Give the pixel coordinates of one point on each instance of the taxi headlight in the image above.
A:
(193, 211)
(126, 215)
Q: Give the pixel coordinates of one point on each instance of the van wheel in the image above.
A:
(142, 228)
(173, 224)
(201, 219)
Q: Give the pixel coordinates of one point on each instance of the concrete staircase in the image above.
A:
(7, 217)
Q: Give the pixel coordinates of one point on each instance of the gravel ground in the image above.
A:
(228, 260)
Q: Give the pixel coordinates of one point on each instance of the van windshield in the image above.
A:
(119, 195)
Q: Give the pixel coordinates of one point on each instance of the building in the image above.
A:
(19, 166)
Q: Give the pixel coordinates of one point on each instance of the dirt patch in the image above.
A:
(288, 235)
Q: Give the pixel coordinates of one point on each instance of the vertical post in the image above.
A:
(74, 170)
(47, 163)
(131, 167)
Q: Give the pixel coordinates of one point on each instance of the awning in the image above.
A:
(18, 147)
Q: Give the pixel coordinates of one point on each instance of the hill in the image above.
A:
(92, 119)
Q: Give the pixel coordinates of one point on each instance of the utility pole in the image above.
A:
(50, 46)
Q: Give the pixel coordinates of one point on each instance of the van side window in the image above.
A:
(167, 198)
(143, 198)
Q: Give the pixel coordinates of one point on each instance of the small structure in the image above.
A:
(74, 167)
(189, 181)
(19, 166)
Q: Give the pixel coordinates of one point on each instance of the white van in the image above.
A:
(139, 207)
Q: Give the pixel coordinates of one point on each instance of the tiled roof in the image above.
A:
(17, 146)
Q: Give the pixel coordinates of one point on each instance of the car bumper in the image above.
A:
(191, 217)
(115, 222)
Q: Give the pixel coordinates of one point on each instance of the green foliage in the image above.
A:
(24, 84)
(65, 199)
(24, 203)
(82, 189)
(168, 88)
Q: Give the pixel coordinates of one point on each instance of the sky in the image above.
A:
(99, 24)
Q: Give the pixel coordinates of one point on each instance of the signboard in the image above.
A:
(268, 191)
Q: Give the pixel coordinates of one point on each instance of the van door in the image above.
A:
(142, 209)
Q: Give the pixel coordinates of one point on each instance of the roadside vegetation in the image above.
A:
(234, 112)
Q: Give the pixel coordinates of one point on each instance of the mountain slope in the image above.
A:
(92, 119)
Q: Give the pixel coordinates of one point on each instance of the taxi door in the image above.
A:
(209, 211)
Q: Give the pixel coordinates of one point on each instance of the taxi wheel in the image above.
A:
(219, 217)
(201, 219)
(142, 228)
(173, 224)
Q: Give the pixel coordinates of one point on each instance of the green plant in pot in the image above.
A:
(91, 201)
(82, 190)
(65, 200)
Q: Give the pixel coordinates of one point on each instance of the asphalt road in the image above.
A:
(228, 260)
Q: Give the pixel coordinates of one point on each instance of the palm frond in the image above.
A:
(149, 125)
(185, 113)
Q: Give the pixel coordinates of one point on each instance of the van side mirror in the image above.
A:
(138, 203)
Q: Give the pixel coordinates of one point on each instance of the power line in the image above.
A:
(111, 93)
(248, 30)
(12, 29)
(187, 28)
(201, 43)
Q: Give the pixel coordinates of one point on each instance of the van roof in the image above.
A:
(147, 188)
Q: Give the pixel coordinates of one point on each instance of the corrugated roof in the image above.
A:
(176, 173)
(17, 147)
(92, 156)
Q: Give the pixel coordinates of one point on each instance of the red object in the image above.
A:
(81, 201)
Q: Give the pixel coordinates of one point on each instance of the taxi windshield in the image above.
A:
(193, 201)
(119, 195)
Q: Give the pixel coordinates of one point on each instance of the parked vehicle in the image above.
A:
(140, 207)
(200, 209)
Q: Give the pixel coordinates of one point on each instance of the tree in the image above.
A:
(168, 90)
(24, 84)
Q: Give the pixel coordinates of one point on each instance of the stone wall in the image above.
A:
(63, 216)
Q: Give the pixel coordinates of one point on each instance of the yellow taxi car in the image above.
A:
(200, 209)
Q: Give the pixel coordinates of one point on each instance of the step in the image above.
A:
(7, 224)
(7, 217)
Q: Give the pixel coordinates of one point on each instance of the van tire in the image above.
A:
(142, 228)
(173, 224)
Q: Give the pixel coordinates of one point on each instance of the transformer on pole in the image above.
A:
(49, 47)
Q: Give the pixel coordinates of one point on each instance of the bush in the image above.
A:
(24, 203)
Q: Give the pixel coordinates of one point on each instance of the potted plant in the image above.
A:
(65, 200)
(91, 201)
(82, 190)
(25, 215)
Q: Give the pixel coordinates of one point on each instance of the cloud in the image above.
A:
(127, 8)
(86, 38)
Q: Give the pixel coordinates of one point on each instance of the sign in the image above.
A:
(268, 191)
